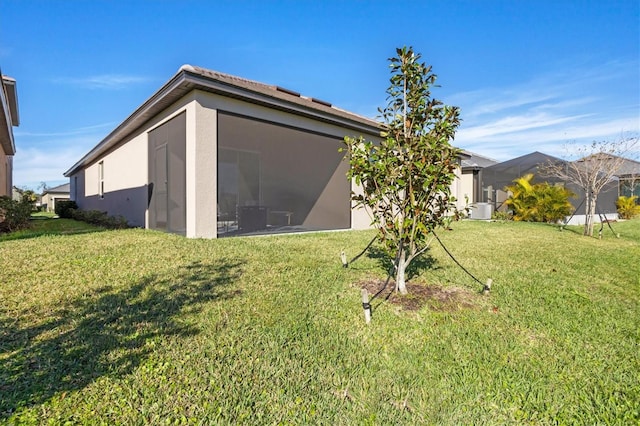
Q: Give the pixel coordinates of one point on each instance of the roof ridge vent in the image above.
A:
(187, 67)
(288, 91)
(321, 102)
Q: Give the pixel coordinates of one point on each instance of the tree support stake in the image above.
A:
(366, 306)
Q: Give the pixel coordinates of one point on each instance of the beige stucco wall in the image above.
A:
(126, 166)
(209, 102)
(360, 216)
(5, 173)
(201, 180)
(125, 173)
(464, 183)
(123, 168)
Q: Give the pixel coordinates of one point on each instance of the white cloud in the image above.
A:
(550, 140)
(491, 101)
(545, 113)
(45, 156)
(74, 132)
(104, 81)
(513, 124)
(35, 165)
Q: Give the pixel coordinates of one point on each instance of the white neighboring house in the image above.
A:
(52, 195)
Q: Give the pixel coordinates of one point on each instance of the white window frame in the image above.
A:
(101, 179)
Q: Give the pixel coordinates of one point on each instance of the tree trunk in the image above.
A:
(401, 285)
(590, 211)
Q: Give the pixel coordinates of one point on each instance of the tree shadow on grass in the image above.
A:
(107, 333)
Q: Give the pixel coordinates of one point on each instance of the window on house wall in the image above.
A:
(101, 179)
(630, 187)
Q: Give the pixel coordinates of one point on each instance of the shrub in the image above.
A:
(14, 215)
(539, 202)
(63, 208)
(498, 215)
(100, 218)
(628, 207)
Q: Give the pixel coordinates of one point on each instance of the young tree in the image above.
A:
(43, 187)
(27, 196)
(406, 178)
(597, 165)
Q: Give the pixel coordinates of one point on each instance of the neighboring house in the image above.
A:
(52, 195)
(628, 172)
(210, 155)
(629, 176)
(469, 182)
(16, 194)
(496, 177)
(9, 117)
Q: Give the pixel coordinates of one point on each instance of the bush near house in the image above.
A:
(628, 207)
(538, 202)
(14, 214)
(99, 218)
(503, 216)
(64, 208)
(69, 210)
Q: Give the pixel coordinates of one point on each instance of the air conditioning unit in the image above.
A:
(481, 211)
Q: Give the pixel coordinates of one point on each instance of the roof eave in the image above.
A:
(12, 99)
(187, 80)
(6, 132)
(225, 89)
(130, 124)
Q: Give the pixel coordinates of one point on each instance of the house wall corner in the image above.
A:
(201, 152)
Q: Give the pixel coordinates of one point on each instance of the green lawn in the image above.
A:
(43, 224)
(135, 327)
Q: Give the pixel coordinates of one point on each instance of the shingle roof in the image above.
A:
(477, 160)
(189, 78)
(278, 92)
(65, 187)
(627, 167)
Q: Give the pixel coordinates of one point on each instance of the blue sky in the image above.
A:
(527, 75)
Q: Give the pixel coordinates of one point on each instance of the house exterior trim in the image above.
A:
(9, 115)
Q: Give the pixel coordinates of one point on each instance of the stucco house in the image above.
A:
(210, 155)
(628, 172)
(9, 117)
(53, 195)
(470, 178)
(497, 176)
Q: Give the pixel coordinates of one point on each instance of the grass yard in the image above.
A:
(140, 327)
(42, 224)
